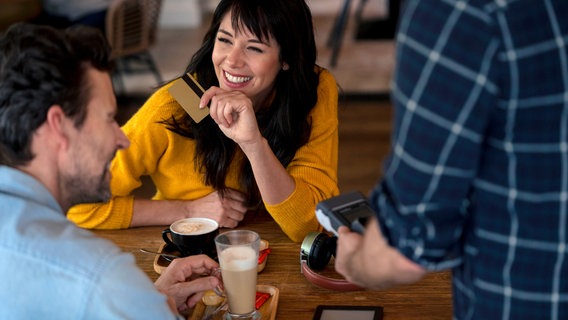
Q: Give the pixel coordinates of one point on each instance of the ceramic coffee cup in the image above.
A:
(191, 236)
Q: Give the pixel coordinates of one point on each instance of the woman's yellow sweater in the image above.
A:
(168, 159)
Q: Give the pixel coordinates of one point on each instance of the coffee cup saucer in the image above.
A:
(169, 249)
(161, 262)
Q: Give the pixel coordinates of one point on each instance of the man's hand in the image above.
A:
(368, 260)
(185, 280)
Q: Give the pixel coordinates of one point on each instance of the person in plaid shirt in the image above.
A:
(477, 180)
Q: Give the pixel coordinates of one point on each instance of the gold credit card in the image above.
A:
(187, 91)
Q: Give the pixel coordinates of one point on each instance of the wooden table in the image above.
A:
(427, 299)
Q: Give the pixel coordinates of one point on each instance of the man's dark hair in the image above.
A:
(41, 66)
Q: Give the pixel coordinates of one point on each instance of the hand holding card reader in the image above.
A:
(349, 209)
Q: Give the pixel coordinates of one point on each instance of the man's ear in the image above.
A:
(58, 124)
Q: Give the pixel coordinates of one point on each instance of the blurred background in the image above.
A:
(153, 40)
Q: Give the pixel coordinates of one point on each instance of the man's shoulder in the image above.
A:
(59, 268)
(43, 237)
(34, 231)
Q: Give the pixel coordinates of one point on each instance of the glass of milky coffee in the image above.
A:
(191, 236)
(238, 258)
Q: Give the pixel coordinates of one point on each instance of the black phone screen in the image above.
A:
(348, 312)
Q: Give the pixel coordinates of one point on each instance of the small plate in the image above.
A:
(263, 245)
(161, 262)
(267, 310)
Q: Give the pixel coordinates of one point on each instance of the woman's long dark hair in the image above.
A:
(284, 120)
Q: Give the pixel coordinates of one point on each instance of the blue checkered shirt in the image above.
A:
(477, 180)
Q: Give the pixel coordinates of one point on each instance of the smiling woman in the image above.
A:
(244, 62)
(270, 143)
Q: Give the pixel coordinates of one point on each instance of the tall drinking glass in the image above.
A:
(238, 258)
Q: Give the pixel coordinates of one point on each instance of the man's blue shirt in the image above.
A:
(51, 269)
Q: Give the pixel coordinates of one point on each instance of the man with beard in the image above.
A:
(58, 135)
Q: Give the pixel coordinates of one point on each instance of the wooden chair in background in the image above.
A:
(374, 29)
(131, 28)
(335, 39)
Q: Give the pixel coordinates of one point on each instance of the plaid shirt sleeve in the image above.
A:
(478, 175)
